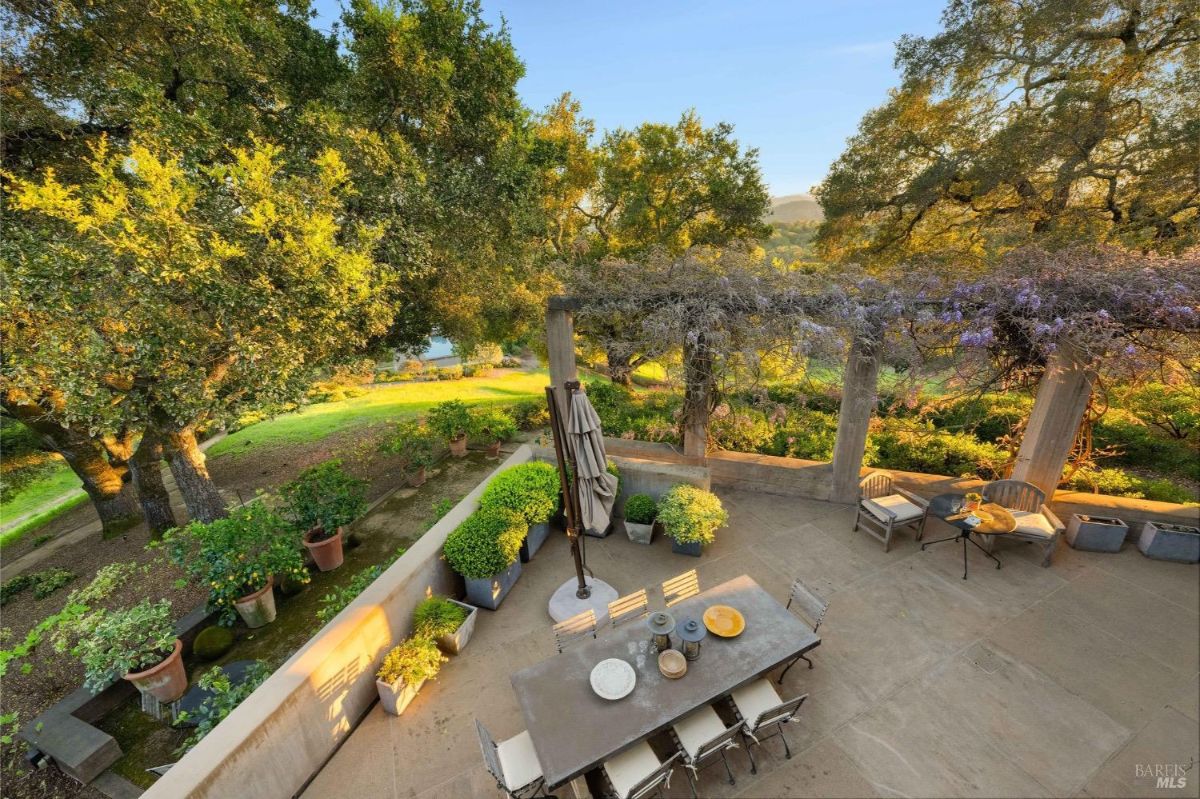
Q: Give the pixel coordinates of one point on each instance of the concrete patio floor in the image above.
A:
(1018, 682)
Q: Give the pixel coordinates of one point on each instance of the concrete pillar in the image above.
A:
(858, 403)
(1062, 399)
(560, 345)
(697, 398)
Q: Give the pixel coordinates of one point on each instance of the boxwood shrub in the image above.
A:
(689, 514)
(486, 543)
(530, 489)
(640, 509)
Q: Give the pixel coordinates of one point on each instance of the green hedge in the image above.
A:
(486, 543)
(530, 489)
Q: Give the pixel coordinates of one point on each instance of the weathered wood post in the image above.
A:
(560, 346)
(858, 403)
(1058, 409)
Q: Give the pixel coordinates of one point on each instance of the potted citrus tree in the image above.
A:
(452, 421)
(446, 621)
(238, 559)
(492, 427)
(691, 516)
(319, 503)
(137, 642)
(640, 512)
(413, 442)
(405, 669)
(484, 549)
(531, 490)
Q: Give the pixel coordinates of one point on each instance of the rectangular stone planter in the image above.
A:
(396, 696)
(694, 548)
(1175, 542)
(537, 535)
(490, 591)
(457, 641)
(1096, 533)
(639, 533)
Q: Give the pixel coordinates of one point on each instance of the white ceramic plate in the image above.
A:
(613, 679)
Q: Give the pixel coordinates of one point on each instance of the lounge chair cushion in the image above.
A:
(754, 699)
(1032, 524)
(519, 761)
(905, 510)
(630, 767)
(697, 729)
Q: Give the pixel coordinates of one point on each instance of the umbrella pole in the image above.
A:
(570, 500)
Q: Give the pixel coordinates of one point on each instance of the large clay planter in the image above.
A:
(458, 446)
(395, 696)
(167, 681)
(257, 609)
(493, 449)
(326, 553)
(418, 478)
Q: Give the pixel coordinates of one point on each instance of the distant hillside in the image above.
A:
(794, 208)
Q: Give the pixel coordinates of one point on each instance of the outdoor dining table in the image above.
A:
(573, 730)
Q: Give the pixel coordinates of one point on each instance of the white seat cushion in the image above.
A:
(753, 699)
(905, 511)
(1033, 524)
(697, 729)
(630, 767)
(519, 761)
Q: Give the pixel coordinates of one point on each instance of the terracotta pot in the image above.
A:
(458, 446)
(326, 553)
(418, 477)
(166, 681)
(257, 609)
(494, 449)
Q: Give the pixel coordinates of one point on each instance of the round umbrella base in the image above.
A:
(564, 604)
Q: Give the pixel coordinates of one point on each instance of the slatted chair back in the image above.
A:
(1015, 495)
(875, 485)
(809, 604)
(656, 778)
(491, 754)
(722, 741)
(681, 587)
(629, 607)
(576, 628)
(780, 714)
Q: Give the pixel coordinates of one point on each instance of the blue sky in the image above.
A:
(794, 77)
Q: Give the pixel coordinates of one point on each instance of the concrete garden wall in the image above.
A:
(282, 735)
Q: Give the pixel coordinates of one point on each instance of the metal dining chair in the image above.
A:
(628, 608)
(760, 707)
(680, 587)
(572, 630)
(811, 608)
(637, 772)
(513, 763)
(700, 737)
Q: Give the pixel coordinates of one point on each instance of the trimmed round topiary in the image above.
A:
(640, 509)
(486, 543)
(212, 642)
(530, 489)
(689, 514)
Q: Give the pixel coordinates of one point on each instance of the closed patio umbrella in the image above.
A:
(597, 488)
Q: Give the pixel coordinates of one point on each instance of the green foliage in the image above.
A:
(689, 514)
(224, 697)
(24, 458)
(116, 642)
(486, 543)
(530, 489)
(1174, 410)
(1117, 483)
(450, 419)
(1140, 446)
(489, 425)
(212, 642)
(333, 602)
(323, 496)
(989, 417)
(437, 616)
(531, 414)
(43, 583)
(442, 507)
(740, 429)
(953, 454)
(414, 660)
(412, 441)
(807, 434)
(235, 556)
(641, 509)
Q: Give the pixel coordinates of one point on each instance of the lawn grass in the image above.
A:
(39, 492)
(386, 402)
(10, 537)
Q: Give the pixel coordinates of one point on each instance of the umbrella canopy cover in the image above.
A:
(597, 488)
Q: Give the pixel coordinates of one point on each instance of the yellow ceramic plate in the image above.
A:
(724, 621)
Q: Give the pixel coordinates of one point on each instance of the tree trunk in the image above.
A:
(146, 466)
(698, 385)
(106, 482)
(204, 502)
(620, 365)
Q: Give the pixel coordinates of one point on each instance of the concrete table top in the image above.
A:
(574, 730)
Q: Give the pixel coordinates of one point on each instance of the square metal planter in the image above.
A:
(456, 641)
(537, 535)
(1096, 533)
(489, 592)
(694, 548)
(1177, 542)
